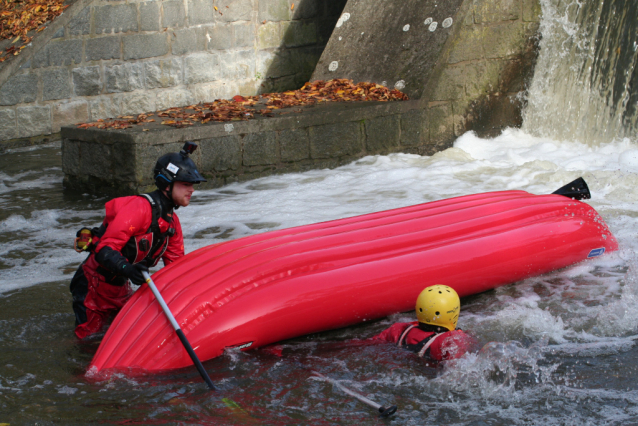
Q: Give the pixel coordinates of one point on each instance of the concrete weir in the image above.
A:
(464, 64)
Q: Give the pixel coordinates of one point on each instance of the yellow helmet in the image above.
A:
(438, 305)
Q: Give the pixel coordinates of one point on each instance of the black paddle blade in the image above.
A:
(576, 190)
(387, 412)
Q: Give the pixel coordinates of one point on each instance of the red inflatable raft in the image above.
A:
(282, 284)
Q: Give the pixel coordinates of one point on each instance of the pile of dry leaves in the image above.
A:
(245, 108)
(18, 17)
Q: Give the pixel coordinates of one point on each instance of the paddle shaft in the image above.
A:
(383, 410)
(178, 330)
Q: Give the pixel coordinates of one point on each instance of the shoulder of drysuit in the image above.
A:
(452, 344)
(125, 217)
(393, 333)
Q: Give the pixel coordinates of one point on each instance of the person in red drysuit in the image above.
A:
(434, 334)
(137, 231)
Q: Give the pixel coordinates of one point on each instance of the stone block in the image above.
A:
(450, 84)
(173, 98)
(325, 26)
(7, 124)
(71, 157)
(104, 107)
(33, 121)
(274, 64)
(96, 160)
(138, 46)
(294, 145)
(103, 48)
(269, 36)
(173, 15)
(124, 78)
(441, 124)
(200, 12)
(65, 52)
(187, 40)
(56, 84)
(274, 10)
(234, 10)
(18, 89)
(201, 68)
(149, 16)
(220, 154)
(382, 134)
(532, 11)
(481, 78)
(303, 61)
(503, 40)
(306, 9)
(40, 58)
(237, 65)
(69, 113)
(163, 73)
(297, 33)
(220, 37)
(486, 12)
(137, 103)
(260, 149)
(414, 128)
(81, 23)
(244, 35)
(124, 162)
(119, 18)
(87, 81)
(335, 140)
(467, 46)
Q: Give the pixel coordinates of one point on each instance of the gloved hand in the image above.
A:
(134, 272)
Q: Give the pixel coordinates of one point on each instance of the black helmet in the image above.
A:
(177, 167)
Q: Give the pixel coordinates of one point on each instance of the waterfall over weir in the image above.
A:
(585, 86)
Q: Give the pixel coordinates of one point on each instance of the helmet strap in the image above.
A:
(168, 193)
(432, 328)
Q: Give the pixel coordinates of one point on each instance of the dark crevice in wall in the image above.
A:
(297, 56)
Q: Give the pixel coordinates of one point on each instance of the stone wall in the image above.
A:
(120, 162)
(118, 57)
(474, 71)
(467, 61)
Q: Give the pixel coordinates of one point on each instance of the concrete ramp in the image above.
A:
(394, 43)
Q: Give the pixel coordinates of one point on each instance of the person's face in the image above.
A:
(182, 192)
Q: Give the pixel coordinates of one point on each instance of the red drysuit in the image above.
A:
(441, 346)
(129, 233)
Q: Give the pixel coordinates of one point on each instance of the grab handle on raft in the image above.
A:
(179, 331)
(383, 411)
(576, 190)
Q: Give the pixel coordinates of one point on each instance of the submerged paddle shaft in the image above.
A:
(384, 412)
(178, 330)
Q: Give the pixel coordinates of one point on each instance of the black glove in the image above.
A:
(134, 273)
(115, 262)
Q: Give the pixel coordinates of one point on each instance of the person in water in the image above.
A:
(137, 231)
(434, 334)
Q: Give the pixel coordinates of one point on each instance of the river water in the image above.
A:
(557, 349)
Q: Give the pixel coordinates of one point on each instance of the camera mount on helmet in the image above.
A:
(188, 149)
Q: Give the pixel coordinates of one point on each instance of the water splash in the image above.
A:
(584, 86)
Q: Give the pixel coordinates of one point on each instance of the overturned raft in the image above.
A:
(282, 284)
